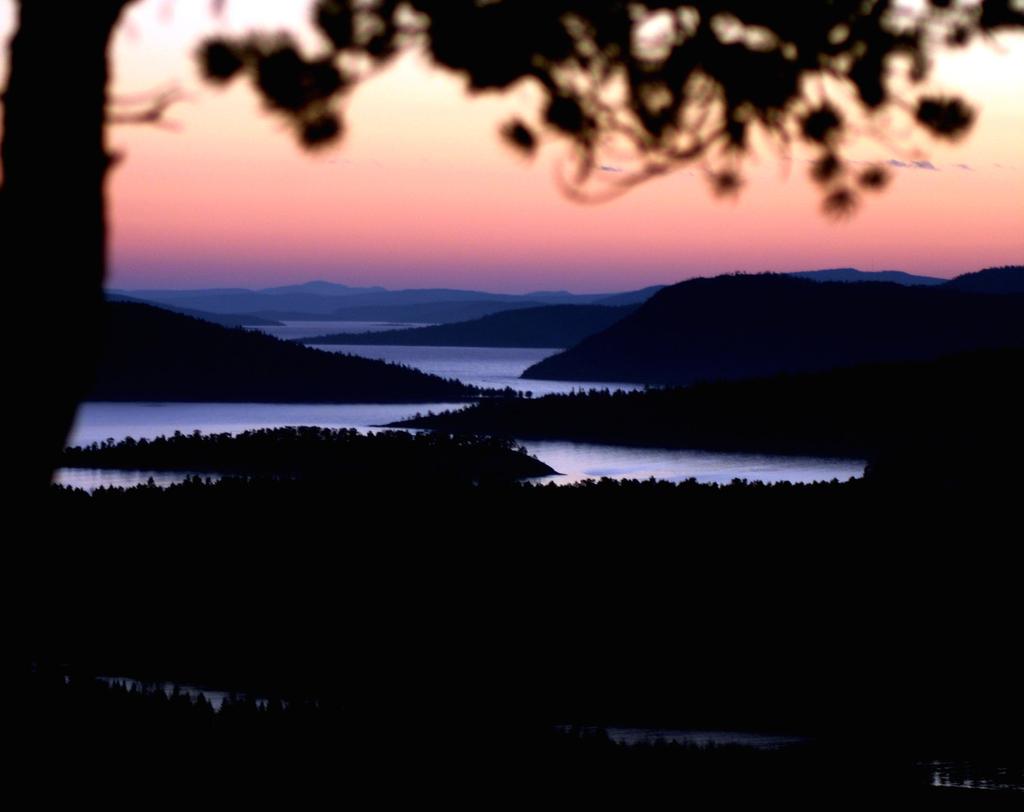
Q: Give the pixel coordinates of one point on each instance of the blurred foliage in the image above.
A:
(647, 87)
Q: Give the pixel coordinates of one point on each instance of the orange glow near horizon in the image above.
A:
(423, 193)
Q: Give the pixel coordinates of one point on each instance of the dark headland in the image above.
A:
(743, 326)
(155, 355)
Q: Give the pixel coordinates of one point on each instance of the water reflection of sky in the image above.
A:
(694, 738)
(579, 461)
(97, 422)
(492, 367)
(497, 367)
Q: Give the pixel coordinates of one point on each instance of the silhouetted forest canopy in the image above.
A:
(153, 354)
(831, 609)
(743, 326)
(840, 610)
(295, 749)
(310, 451)
(549, 326)
(1006, 279)
(608, 510)
(955, 418)
(223, 319)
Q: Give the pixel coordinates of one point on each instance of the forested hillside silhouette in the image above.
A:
(953, 419)
(1007, 279)
(742, 326)
(834, 609)
(153, 354)
(313, 452)
(223, 319)
(295, 749)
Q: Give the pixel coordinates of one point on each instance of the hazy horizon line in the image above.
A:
(510, 292)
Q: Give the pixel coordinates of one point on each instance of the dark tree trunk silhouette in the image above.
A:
(53, 210)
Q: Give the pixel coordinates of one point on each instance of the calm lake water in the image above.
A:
(579, 461)
(483, 366)
(693, 738)
(492, 367)
(575, 461)
(89, 479)
(99, 421)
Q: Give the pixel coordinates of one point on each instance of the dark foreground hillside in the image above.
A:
(452, 626)
(740, 326)
(415, 636)
(153, 354)
(99, 738)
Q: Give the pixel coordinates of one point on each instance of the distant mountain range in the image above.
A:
(328, 301)
(155, 355)
(743, 326)
(445, 312)
(320, 301)
(319, 287)
(853, 275)
(525, 323)
(547, 326)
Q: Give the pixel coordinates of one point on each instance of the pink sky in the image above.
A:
(422, 192)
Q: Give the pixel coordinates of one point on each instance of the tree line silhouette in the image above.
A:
(828, 604)
(87, 734)
(316, 452)
(479, 615)
(154, 354)
(950, 423)
(738, 326)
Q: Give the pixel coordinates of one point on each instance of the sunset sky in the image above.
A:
(422, 192)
